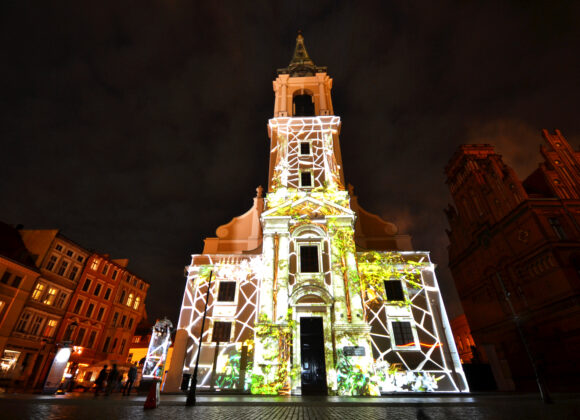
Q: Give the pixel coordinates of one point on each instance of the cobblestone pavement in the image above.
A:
(172, 407)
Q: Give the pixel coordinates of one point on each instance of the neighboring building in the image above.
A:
(311, 294)
(463, 339)
(105, 309)
(21, 350)
(515, 256)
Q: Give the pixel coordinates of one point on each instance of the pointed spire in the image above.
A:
(301, 63)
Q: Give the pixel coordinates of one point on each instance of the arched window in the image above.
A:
(137, 302)
(130, 299)
(303, 106)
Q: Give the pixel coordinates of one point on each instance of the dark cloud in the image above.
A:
(139, 129)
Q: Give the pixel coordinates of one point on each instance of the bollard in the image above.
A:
(152, 400)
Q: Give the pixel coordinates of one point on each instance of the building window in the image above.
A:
(97, 289)
(23, 322)
(100, 313)
(50, 296)
(394, 290)
(51, 262)
(6, 277)
(304, 148)
(114, 276)
(58, 247)
(227, 291)
(130, 299)
(36, 325)
(69, 253)
(95, 265)
(309, 259)
(221, 332)
(105, 269)
(50, 328)
(137, 302)
(130, 325)
(3, 305)
(73, 272)
(306, 179)
(86, 285)
(108, 294)
(61, 299)
(80, 337)
(62, 268)
(141, 286)
(38, 291)
(127, 277)
(78, 306)
(16, 281)
(123, 320)
(122, 346)
(403, 334)
(80, 258)
(106, 345)
(115, 318)
(92, 337)
(122, 297)
(114, 345)
(557, 227)
(90, 310)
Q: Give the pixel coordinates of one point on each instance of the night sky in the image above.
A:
(137, 128)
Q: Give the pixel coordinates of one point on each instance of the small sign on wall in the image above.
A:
(353, 351)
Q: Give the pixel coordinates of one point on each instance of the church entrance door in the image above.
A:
(312, 356)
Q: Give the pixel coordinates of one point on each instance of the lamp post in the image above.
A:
(191, 395)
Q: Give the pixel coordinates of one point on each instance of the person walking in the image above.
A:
(101, 380)
(131, 376)
(112, 379)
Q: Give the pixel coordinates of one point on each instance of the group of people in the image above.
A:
(110, 380)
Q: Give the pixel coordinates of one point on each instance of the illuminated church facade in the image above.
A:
(308, 292)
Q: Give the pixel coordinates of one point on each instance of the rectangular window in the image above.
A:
(78, 306)
(73, 272)
(105, 269)
(130, 323)
(114, 345)
(304, 148)
(100, 313)
(115, 318)
(86, 285)
(23, 322)
(123, 320)
(557, 227)
(50, 328)
(92, 337)
(36, 325)
(106, 345)
(221, 332)
(227, 291)
(309, 259)
(50, 296)
(60, 301)
(306, 179)
(62, 268)
(97, 289)
(6, 277)
(122, 346)
(16, 281)
(114, 276)
(394, 290)
(80, 337)
(38, 291)
(95, 265)
(69, 253)
(90, 310)
(137, 302)
(58, 247)
(51, 262)
(403, 333)
(80, 258)
(107, 294)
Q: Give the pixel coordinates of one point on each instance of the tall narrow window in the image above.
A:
(122, 346)
(51, 262)
(107, 294)
(50, 296)
(221, 332)
(309, 259)
(50, 328)
(23, 322)
(95, 265)
(227, 292)
(100, 313)
(106, 345)
(105, 269)
(62, 268)
(557, 227)
(5, 277)
(122, 297)
(115, 318)
(394, 290)
(92, 337)
(38, 291)
(403, 333)
(137, 302)
(97, 289)
(78, 306)
(36, 325)
(306, 179)
(80, 337)
(60, 301)
(130, 299)
(90, 310)
(73, 272)
(86, 285)
(16, 281)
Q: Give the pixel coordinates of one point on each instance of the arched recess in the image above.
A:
(303, 103)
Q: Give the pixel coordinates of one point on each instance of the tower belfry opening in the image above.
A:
(316, 289)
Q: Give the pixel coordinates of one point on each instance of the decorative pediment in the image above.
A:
(309, 207)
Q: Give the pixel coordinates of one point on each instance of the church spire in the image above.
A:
(301, 63)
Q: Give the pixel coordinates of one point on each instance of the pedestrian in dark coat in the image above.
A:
(101, 380)
(112, 379)
(131, 376)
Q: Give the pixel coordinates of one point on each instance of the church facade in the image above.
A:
(308, 293)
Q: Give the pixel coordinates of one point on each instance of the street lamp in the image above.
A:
(191, 395)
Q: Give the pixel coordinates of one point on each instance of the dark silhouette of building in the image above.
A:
(515, 257)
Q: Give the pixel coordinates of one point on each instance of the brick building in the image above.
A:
(515, 257)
